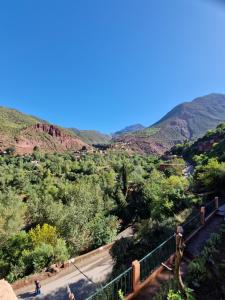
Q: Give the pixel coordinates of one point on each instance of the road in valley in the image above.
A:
(97, 269)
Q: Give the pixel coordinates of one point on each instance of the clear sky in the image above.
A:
(105, 64)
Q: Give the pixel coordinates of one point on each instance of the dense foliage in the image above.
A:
(206, 274)
(86, 200)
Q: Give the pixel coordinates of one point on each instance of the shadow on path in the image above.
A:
(81, 289)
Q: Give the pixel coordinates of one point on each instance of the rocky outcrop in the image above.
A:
(49, 129)
(48, 138)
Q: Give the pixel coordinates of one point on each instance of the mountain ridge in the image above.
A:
(24, 132)
(92, 136)
(186, 121)
(129, 129)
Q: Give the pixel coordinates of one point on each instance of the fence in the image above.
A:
(209, 208)
(151, 261)
(160, 254)
(191, 225)
(111, 290)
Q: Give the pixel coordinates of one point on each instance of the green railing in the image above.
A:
(209, 208)
(191, 225)
(151, 261)
(110, 291)
(160, 254)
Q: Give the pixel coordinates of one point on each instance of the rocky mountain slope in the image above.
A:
(187, 121)
(25, 132)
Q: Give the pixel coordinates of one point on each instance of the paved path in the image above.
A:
(193, 249)
(197, 243)
(96, 269)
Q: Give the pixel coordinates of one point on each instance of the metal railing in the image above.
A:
(160, 254)
(151, 261)
(111, 290)
(191, 225)
(209, 208)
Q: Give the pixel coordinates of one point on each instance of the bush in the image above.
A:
(104, 230)
(45, 234)
(41, 257)
(30, 252)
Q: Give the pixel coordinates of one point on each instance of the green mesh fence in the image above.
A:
(111, 290)
(209, 208)
(191, 225)
(152, 260)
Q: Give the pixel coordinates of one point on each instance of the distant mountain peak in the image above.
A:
(92, 137)
(186, 121)
(130, 129)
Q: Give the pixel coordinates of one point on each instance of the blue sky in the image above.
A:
(105, 64)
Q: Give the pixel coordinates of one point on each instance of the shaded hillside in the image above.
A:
(211, 144)
(187, 121)
(24, 132)
(92, 136)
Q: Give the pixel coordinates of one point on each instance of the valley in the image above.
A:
(62, 195)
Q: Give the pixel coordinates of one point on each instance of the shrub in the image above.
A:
(45, 234)
(42, 257)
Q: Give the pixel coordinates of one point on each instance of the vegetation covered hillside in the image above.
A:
(92, 136)
(22, 133)
(12, 121)
(212, 144)
(187, 121)
(207, 154)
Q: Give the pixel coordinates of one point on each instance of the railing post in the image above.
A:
(216, 202)
(202, 215)
(136, 274)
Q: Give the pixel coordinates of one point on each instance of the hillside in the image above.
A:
(92, 136)
(187, 121)
(211, 144)
(24, 132)
(129, 129)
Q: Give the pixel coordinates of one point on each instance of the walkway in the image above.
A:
(96, 269)
(192, 250)
(55, 287)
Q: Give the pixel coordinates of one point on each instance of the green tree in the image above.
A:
(12, 211)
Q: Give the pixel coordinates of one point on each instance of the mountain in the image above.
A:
(92, 136)
(129, 129)
(187, 121)
(212, 144)
(24, 132)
